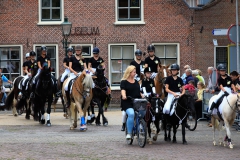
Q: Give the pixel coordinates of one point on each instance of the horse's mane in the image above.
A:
(86, 79)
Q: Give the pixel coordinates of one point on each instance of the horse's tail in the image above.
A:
(9, 100)
(216, 123)
(59, 83)
(88, 81)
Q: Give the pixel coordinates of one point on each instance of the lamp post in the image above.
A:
(66, 31)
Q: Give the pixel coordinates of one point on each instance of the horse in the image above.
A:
(43, 93)
(81, 97)
(227, 115)
(184, 105)
(160, 79)
(100, 97)
(154, 115)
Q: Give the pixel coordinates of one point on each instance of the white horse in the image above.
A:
(227, 109)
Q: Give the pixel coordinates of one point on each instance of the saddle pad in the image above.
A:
(70, 84)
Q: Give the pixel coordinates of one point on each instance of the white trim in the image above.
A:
(57, 56)
(216, 55)
(109, 60)
(40, 22)
(91, 45)
(140, 22)
(21, 54)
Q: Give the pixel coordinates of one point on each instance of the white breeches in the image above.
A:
(39, 70)
(66, 72)
(71, 76)
(2, 90)
(24, 79)
(94, 69)
(221, 93)
(166, 108)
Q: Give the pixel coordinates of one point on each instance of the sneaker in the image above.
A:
(128, 136)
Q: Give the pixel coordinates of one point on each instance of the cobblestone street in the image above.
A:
(27, 139)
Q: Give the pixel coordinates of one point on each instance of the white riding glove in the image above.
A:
(145, 92)
(154, 90)
(153, 75)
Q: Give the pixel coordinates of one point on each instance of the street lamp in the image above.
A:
(66, 31)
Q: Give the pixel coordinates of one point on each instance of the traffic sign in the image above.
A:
(219, 32)
(232, 33)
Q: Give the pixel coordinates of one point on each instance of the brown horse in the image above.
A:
(160, 79)
(81, 97)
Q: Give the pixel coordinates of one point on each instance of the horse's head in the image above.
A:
(100, 70)
(162, 73)
(187, 102)
(45, 76)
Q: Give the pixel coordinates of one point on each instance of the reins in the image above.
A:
(234, 109)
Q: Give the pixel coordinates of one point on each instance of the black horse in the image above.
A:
(154, 115)
(99, 96)
(185, 105)
(44, 91)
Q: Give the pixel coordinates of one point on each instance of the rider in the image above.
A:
(235, 79)
(66, 64)
(148, 83)
(173, 86)
(77, 64)
(4, 79)
(41, 60)
(32, 63)
(225, 84)
(138, 63)
(129, 87)
(152, 61)
(25, 63)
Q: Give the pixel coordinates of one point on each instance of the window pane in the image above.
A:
(45, 13)
(128, 52)
(122, 3)
(56, 14)
(125, 64)
(53, 65)
(116, 66)
(170, 61)
(134, 3)
(86, 50)
(116, 52)
(55, 3)
(123, 13)
(51, 52)
(15, 53)
(159, 51)
(171, 51)
(135, 13)
(116, 78)
(45, 3)
(4, 54)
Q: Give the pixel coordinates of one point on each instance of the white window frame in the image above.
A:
(109, 60)
(21, 54)
(83, 46)
(57, 56)
(40, 22)
(117, 22)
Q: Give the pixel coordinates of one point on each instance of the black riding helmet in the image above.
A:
(221, 67)
(138, 52)
(151, 48)
(148, 69)
(174, 67)
(69, 49)
(32, 53)
(43, 48)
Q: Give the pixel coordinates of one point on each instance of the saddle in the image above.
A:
(219, 101)
(70, 84)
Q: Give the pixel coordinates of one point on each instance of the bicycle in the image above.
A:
(139, 127)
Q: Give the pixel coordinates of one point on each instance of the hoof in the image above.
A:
(83, 127)
(169, 139)
(98, 124)
(165, 138)
(74, 125)
(214, 143)
(43, 121)
(154, 138)
(71, 128)
(150, 142)
(27, 117)
(89, 122)
(185, 142)
(220, 143)
(15, 115)
(105, 124)
(48, 123)
(64, 115)
(174, 140)
(231, 146)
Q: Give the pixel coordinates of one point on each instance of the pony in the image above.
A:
(227, 110)
(100, 97)
(81, 97)
(154, 115)
(160, 79)
(184, 105)
(43, 93)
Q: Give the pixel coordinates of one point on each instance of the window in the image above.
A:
(50, 12)
(129, 12)
(120, 58)
(10, 61)
(168, 53)
(86, 51)
(52, 52)
(221, 55)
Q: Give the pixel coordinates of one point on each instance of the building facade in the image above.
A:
(117, 28)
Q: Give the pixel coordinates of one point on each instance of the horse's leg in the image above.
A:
(164, 127)
(43, 111)
(169, 133)
(220, 140)
(28, 110)
(64, 107)
(93, 118)
(14, 110)
(50, 99)
(83, 126)
(183, 132)
(214, 128)
(174, 134)
(156, 122)
(98, 123)
(104, 119)
(89, 116)
(149, 138)
(227, 126)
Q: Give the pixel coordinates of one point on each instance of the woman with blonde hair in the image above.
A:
(198, 102)
(129, 87)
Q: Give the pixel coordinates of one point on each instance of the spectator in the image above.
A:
(4, 79)
(190, 86)
(189, 76)
(212, 80)
(200, 77)
(198, 102)
(184, 74)
(194, 74)
(235, 79)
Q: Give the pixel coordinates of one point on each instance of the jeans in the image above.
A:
(4, 97)
(130, 120)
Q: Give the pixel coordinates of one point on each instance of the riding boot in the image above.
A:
(123, 127)
(68, 99)
(211, 109)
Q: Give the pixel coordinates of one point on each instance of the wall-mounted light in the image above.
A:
(201, 30)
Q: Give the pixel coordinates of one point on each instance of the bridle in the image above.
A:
(161, 76)
(235, 109)
(102, 84)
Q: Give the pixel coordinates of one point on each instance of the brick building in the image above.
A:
(179, 29)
